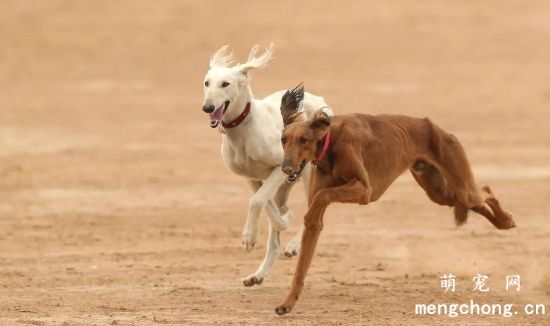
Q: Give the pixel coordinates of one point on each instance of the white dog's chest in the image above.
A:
(250, 169)
(249, 160)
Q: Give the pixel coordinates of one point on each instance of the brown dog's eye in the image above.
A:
(283, 141)
(206, 83)
(303, 140)
(225, 84)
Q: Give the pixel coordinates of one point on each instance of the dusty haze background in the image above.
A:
(116, 208)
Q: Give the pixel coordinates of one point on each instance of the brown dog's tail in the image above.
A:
(461, 214)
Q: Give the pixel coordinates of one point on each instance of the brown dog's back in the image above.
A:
(390, 144)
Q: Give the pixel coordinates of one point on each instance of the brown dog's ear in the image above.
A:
(319, 121)
(291, 103)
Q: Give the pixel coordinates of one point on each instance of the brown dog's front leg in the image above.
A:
(352, 192)
(360, 172)
(313, 222)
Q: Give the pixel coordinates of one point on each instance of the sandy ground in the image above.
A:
(116, 208)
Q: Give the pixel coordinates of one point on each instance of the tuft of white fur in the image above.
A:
(222, 58)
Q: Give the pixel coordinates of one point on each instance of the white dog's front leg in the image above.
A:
(270, 256)
(265, 192)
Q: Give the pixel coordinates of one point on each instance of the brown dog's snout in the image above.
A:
(287, 166)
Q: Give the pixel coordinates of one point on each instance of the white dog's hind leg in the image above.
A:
(267, 190)
(293, 246)
(270, 256)
(273, 242)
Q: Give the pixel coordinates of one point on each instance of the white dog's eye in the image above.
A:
(206, 83)
(225, 84)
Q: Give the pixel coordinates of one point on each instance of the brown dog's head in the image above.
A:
(302, 138)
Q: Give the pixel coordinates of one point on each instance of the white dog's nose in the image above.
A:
(208, 107)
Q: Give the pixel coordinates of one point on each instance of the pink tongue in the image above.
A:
(217, 115)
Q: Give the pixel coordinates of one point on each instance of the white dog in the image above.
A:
(252, 148)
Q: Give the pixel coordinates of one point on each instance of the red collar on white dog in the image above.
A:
(323, 151)
(239, 119)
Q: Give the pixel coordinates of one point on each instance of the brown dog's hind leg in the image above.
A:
(433, 183)
(435, 186)
(449, 157)
(502, 219)
(483, 202)
(484, 210)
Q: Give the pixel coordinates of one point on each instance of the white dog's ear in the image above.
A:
(252, 53)
(221, 58)
(256, 62)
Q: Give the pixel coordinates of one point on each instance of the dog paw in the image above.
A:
(508, 223)
(292, 248)
(365, 199)
(290, 252)
(249, 238)
(252, 280)
(282, 309)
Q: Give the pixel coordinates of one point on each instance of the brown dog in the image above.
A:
(358, 156)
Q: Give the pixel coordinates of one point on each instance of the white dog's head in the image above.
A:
(224, 84)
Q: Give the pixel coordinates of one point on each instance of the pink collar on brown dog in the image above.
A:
(323, 151)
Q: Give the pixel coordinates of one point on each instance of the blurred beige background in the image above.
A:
(115, 206)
